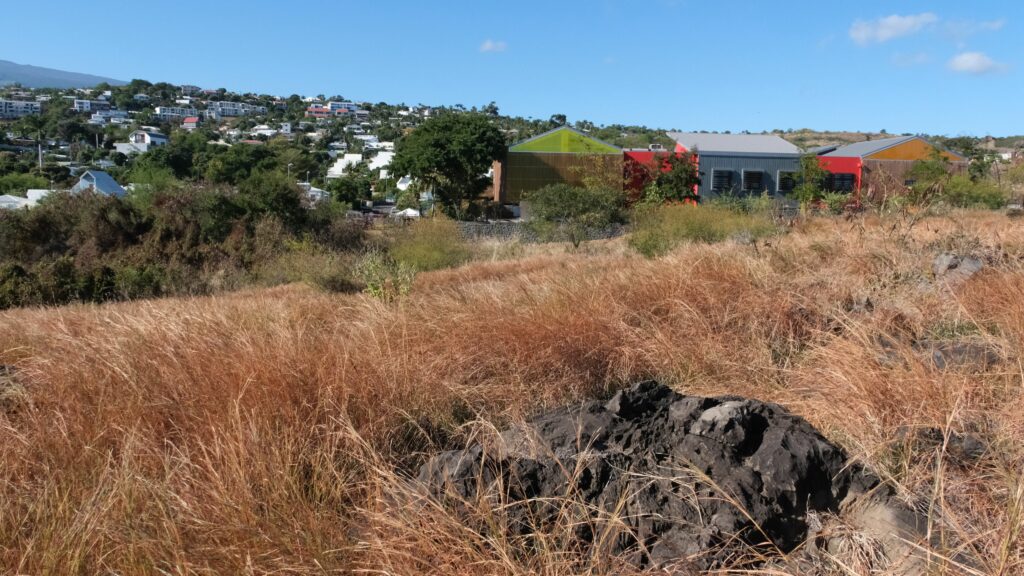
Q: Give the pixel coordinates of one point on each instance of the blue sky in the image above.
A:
(935, 66)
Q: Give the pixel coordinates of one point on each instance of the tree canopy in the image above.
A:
(451, 154)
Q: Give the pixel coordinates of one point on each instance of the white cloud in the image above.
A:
(493, 46)
(865, 32)
(974, 63)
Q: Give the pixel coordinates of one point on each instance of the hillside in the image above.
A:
(38, 77)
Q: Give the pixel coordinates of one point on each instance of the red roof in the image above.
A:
(192, 119)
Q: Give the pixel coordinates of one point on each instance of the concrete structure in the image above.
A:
(747, 164)
(80, 105)
(103, 117)
(98, 182)
(140, 141)
(19, 108)
(220, 109)
(174, 112)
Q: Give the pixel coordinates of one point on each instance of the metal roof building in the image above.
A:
(560, 156)
(747, 164)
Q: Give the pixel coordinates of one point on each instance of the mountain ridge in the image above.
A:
(31, 76)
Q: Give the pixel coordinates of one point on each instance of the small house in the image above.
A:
(98, 182)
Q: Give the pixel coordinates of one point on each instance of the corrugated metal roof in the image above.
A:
(734, 143)
(868, 147)
(103, 183)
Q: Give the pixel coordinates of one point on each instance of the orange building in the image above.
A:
(879, 167)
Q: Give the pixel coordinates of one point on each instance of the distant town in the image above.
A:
(91, 137)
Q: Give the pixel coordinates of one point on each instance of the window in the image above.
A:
(721, 180)
(840, 182)
(787, 181)
(753, 180)
(909, 182)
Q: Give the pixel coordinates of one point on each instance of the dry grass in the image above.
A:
(270, 431)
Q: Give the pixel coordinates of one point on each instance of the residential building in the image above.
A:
(341, 165)
(141, 97)
(189, 90)
(560, 156)
(876, 168)
(81, 105)
(98, 182)
(174, 112)
(190, 123)
(221, 109)
(103, 117)
(19, 108)
(746, 164)
(8, 202)
(380, 162)
(140, 141)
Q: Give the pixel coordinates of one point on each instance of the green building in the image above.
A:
(563, 155)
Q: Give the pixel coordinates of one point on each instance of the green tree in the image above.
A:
(272, 192)
(561, 209)
(810, 187)
(450, 154)
(677, 178)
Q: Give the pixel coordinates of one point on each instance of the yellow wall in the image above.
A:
(916, 149)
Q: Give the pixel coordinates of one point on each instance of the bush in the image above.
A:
(383, 276)
(658, 230)
(430, 244)
(561, 210)
(964, 192)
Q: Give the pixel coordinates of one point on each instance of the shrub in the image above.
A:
(964, 192)
(430, 244)
(561, 210)
(383, 276)
(658, 230)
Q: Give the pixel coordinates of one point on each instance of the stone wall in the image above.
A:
(511, 230)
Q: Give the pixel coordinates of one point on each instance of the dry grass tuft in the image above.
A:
(273, 430)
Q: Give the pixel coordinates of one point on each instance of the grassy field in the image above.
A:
(271, 431)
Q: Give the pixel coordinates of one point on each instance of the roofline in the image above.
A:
(902, 140)
(696, 149)
(898, 140)
(563, 127)
(725, 153)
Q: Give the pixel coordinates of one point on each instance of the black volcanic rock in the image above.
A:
(697, 481)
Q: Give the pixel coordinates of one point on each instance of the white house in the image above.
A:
(19, 108)
(174, 112)
(381, 161)
(341, 165)
(8, 202)
(404, 183)
(99, 182)
(103, 117)
(141, 141)
(190, 123)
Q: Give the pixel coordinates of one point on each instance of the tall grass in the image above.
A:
(659, 229)
(274, 431)
(430, 244)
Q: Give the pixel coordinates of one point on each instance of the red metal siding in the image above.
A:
(844, 165)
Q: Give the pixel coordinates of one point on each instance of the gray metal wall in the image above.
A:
(769, 164)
